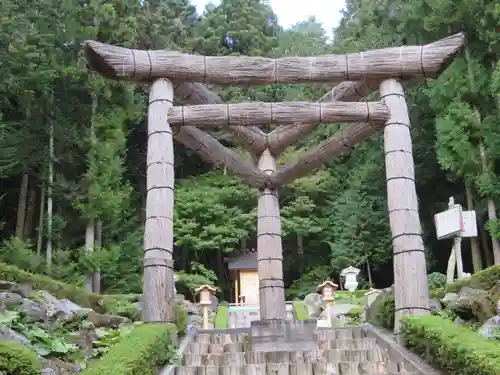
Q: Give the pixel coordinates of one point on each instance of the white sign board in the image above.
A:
(323, 323)
(449, 223)
(469, 224)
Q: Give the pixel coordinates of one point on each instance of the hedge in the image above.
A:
(222, 316)
(59, 289)
(453, 348)
(16, 359)
(485, 280)
(300, 310)
(146, 348)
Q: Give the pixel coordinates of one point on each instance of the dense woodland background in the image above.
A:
(72, 145)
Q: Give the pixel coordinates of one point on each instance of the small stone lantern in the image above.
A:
(327, 290)
(350, 273)
(206, 292)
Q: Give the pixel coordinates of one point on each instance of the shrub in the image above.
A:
(454, 348)
(57, 288)
(436, 280)
(181, 318)
(222, 316)
(300, 310)
(146, 348)
(16, 359)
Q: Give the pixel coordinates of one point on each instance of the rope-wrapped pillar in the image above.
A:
(158, 287)
(269, 247)
(411, 291)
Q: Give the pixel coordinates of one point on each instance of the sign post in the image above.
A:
(455, 223)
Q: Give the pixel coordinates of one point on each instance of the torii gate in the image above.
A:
(358, 74)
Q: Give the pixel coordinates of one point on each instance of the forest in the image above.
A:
(73, 145)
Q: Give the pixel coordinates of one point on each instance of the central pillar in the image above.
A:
(411, 291)
(158, 289)
(269, 247)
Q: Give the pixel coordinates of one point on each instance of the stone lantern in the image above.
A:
(206, 292)
(327, 290)
(350, 273)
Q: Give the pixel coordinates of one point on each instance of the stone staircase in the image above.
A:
(242, 317)
(341, 351)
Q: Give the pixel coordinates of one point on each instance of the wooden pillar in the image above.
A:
(159, 284)
(410, 274)
(269, 247)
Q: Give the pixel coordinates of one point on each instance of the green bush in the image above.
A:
(454, 348)
(16, 359)
(300, 310)
(436, 280)
(222, 316)
(181, 318)
(146, 348)
(484, 280)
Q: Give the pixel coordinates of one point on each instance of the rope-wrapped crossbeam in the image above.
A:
(406, 61)
(308, 161)
(259, 113)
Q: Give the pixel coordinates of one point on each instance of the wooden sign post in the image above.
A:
(455, 223)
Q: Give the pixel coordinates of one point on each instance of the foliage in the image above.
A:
(181, 318)
(16, 359)
(436, 280)
(354, 315)
(300, 311)
(222, 316)
(142, 351)
(455, 349)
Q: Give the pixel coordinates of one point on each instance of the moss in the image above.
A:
(452, 347)
(57, 288)
(355, 312)
(146, 348)
(16, 359)
(485, 280)
(222, 316)
(300, 310)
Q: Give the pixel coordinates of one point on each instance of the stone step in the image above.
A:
(322, 368)
(242, 358)
(244, 345)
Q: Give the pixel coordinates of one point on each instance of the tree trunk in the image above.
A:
(411, 290)
(300, 251)
(48, 253)
(96, 277)
(492, 212)
(89, 248)
(30, 212)
(488, 255)
(21, 206)
(369, 271)
(474, 243)
(39, 242)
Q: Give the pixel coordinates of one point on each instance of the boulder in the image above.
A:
(8, 334)
(490, 328)
(8, 299)
(449, 298)
(313, 304)
(33, 311)
(106, 320)
(473, 303)
(55, 366)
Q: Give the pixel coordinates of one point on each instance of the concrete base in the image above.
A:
(279, 335)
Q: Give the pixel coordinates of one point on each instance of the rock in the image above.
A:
(435, 305)
(6, 286)
(24, 290)
(313, 303)
(8, 299)
(473, 303)
(33, 310)
(449, 298)
(7, 334)
(84, 340)
(105, 320)
(490, 327)
(55, 366)
(191, 308)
